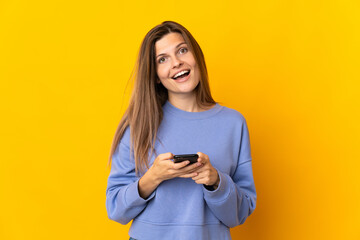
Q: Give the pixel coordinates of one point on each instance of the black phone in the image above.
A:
(183, 157)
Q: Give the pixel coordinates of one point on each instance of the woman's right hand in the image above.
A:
(163, 169)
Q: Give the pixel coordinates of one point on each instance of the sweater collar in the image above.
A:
(168, 107)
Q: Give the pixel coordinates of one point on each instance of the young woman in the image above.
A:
(172, 112)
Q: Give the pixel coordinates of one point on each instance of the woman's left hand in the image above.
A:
(207, 174)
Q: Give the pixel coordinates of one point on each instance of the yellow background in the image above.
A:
(290, 67)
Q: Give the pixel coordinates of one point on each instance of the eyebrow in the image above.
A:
(161, 54)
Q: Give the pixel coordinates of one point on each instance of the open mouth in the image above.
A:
(181, 74)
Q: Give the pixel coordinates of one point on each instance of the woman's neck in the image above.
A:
(186, 103)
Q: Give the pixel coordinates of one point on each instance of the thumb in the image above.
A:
(166, 156)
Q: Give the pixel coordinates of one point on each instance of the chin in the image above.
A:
(185, 90)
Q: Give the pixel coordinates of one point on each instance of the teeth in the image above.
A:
(180, 73)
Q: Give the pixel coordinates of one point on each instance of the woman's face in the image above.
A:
(175, 65)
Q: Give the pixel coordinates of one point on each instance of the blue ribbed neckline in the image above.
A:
(191, 115)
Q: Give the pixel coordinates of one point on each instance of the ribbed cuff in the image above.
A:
(132, 196)
(222, 192)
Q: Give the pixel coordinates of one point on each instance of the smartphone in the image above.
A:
(183, 157)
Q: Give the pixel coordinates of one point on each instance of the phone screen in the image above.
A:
(183, 157)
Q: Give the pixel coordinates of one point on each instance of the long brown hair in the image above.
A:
(144, 113)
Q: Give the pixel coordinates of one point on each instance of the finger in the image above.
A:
(201, 160)
(166, 156)
(192, 167)
(200, 154)
(204, 180)
(196, 178)
(201, 170)
(189, 175)
(180, 164)
(193, 171)
(202, 166)
(201, 181)
(199, 176)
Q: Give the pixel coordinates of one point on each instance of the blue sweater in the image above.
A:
(179, 208)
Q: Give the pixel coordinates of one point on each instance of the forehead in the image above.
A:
(168, 42)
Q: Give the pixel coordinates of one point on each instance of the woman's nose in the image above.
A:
(177, 62)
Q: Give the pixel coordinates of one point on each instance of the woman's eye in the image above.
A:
(161, 60)
(183, 50)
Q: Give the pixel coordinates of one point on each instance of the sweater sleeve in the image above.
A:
(235, 198)
(123, 202)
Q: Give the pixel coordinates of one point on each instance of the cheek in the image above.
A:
(161, 72)
(191, 60)
(196, 68)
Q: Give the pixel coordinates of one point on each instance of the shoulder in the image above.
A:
(231, 114)
(125, 139)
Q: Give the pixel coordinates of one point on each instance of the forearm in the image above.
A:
(147, 184)
(232, 202)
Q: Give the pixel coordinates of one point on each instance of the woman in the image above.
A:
(171, 111)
